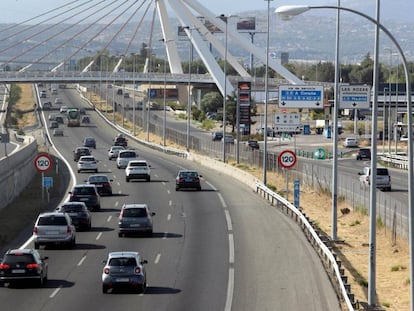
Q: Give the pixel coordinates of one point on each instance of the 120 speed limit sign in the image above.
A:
(287, 159)
(43, 162)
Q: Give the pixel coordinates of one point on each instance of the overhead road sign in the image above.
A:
(354, 97)
(301, 96)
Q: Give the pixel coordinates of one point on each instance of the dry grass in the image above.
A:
(393, 261)
(26, 105)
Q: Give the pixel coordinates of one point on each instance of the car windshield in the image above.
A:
(122, 261)
(52, 220)
(84, 191)
(134, 212)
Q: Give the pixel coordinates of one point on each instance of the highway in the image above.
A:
(222, 248)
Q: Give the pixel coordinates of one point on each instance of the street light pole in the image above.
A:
(288, 12)
(189, 92)
(225, 19)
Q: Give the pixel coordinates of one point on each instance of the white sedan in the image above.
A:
(87, 163)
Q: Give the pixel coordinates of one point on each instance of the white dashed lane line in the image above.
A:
(99, 236)
(169, 217)
(157, 259)
(109, 218)
(55, 291)
(81, 261)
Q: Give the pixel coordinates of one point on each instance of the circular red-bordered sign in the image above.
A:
(287, 159)
(43, 162)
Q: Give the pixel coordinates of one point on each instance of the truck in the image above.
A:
(73, 116)
(324, 126)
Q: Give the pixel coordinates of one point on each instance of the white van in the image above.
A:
(124, 156)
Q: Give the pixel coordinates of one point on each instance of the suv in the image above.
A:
(79, 152)
(54, 228)
(363, 153)
(138, 169)
(23, 265)
(89, 142)
(124, 156)
(87, 194)
(217, 136)
(78, 212)
(135, 218)
(120, 141)
(383, 178)
(350, 142)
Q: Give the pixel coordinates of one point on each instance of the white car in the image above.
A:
(124, 156)
(63, 109)
(113, 152)
(350, 142)
(87, 163)
(138, 169)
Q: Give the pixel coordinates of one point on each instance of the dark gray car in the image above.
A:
(135, 218)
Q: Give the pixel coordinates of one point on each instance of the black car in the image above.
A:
(217, 136)
(120, 141)
(87, 194)
(78, 212)
(80, 151)
(89, 142)
(253, 144)
(363, 153)
(188, 179)
(102, 183)
(23, 265)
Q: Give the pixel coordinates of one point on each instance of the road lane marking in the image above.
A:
(109, 218)
(99, 236)
(228, 220)
(116, 204)
(169, 217)
(157, 258)
(168, 191)
(55, 291)
(231, 249)
(82, 260)
(169, 203)
(230, 290)
(211, 186)
(163, 183)
(223, 203)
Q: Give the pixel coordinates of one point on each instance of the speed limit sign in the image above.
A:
(287, 159)
(43, 162)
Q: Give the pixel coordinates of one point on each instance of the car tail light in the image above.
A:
(32, 266)
(35, 230)
(137, 270)
(4, 266)
(197, 179)
(106, 270)
(69, 229)
(106, 184)
(180, 179)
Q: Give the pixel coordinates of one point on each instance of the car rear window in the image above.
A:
(52, 220)
(382, 171)
(128, 154)
(93, 179)
(84, 191)
(188, 174)
(122, 261)
(72, 208)
(18, 258)
(137, 164)
(134, 212)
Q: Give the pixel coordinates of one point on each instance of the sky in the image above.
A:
(19, 10)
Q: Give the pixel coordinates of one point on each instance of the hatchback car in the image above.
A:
(63, 109)
(54, 228)
(135, 218)
(87, 163)
(89, 142)
(58, 132)
(363, 153)
(124, 270)
(80, 151)
(23, 265)
(101, 182)
(188, 179)
(113, 152)
(124, 156)
(138, 169)
(87, 194)
(252, 144)
(78, 212)
(350, 142)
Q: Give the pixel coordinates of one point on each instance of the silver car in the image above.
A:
(113, 152)
(124, 156)
(87, 163)
(124, 270)
(135, 218)
(54, 228)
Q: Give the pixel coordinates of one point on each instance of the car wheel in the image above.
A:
(96, 171)
(198, 188)
(78, 171)
(126, 179)
(177, 188)
(120, 234)
(40, 282)
(72, 243)
(104, 289)
(148, 178)
(36, 245)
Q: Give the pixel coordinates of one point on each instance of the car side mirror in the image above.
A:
(360, 173)
(153, 214)
(200, 175)
(111, 180)
(45, 258)
(143, 262)
(70, 192)
(104, 262)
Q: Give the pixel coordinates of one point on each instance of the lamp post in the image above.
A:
(190, 60)
(225, 20)
(386, 90)
(164, 121)
(289, 11)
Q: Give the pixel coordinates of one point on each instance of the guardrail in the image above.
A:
(319, 242)
(396, 160)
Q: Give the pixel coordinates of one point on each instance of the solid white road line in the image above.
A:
(228, 220)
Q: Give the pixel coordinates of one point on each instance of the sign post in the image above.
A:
(287, 160)
(43, 162)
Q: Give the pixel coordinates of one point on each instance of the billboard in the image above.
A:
(247, 23)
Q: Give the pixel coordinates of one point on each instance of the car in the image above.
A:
(78, 213)
(89, 142)
(135, 218)
(113, 152)
(120, 140)
(54, 91)
(124, 269)
(63, 109)
(87, 163)
(82, 111)
(383, 180)
(87, 194)
(79, 152)
(58, 101)
(47, 106)
(59, 119)
(54, 228)
(23, 265)
(217, 136)
(228, 139)
(58, 132)
(102, 183)
(124, 156)
(350, 142)
(252, 144)
(85, 120)
(138, 169)
(43, 94)
(363, 153)
(188, 179)
(126, 95)
(52, 117)
(53, 125)
(119, 92)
